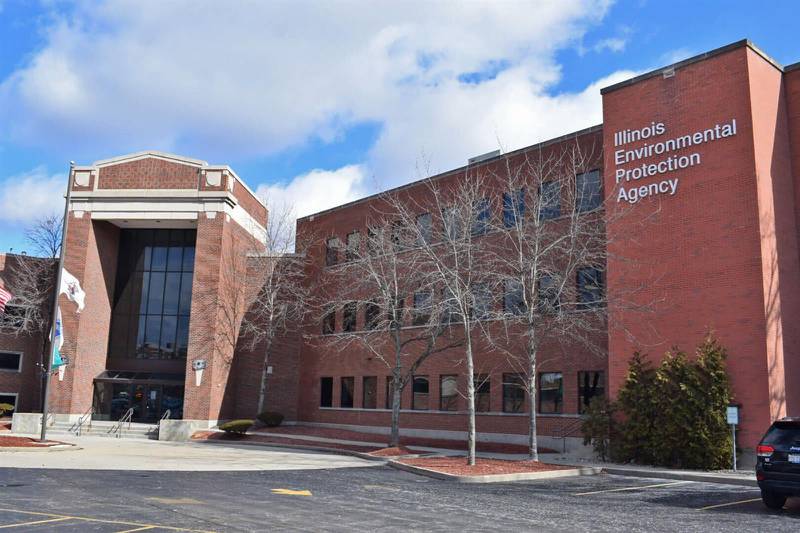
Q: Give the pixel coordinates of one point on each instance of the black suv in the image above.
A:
(778, 464)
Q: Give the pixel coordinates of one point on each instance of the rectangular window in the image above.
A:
(513, 301)
(329, 323)
(374, 244)
(513, 393)
(424, 229)
(10, 399)
(452, 223)
(370, 392)
(422, 308)
(588, 194)
(448, 393)
(153, 294)
(420, 387)
(548, 299)
(590, 385)
(11, 361)
(551, 392)
(399, 236)
(349, 315)
(590, 288)
(389, 391)
(483, 390)
(450, 313)
(481, 301)
(480, 221)
(513, 207)
(353, 246)
(331, 251)
(347, 388)
(326, 392)
(395, 315)
(549, 200)
(372, 312)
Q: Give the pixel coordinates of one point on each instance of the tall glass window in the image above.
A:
(153, 296)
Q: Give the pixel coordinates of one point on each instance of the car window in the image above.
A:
(782, 435)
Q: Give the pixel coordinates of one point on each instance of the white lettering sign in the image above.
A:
(627, 169)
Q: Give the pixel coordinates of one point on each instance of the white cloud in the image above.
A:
(612, 44)
(28, 196)
(316, 190)
(244, 79)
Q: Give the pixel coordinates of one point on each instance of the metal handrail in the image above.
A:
(165, 416)
(117, 428)
(568, 429)
(77, 427)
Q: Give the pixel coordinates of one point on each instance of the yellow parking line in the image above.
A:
(100, 520)
(729, 503)
(137, 529)
(639, 487)
(34, 523)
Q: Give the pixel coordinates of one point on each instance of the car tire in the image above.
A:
(773, 500)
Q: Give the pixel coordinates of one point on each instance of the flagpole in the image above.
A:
(57, 291)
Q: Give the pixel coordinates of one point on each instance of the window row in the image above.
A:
(550, 392)
(588, 198)
(589, 286)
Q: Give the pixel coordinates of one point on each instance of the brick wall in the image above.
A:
(148, 173)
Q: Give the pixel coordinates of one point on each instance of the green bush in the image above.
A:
(270, 419)
(236, 427)
(672, 415)
(5, 408)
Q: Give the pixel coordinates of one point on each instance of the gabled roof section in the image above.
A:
(148, 154)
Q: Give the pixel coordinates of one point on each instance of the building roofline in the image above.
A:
(793, 66)
(155, 153)
(695, 59)
(543, 144)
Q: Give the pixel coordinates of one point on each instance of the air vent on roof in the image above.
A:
(669, 72)
(483, 157)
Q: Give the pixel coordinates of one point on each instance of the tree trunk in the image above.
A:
(262, 389)
(394, 439)
(533, 439)
(470, 403)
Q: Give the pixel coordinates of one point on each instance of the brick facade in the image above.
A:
(717, 250)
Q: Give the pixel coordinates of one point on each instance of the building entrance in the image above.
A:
(149, 394)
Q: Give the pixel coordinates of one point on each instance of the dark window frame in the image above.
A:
(483, 392)
(595, 200)
(414, 392)
(351, 394)
(373, 404)
(482, 216)
(353, 246)
(558, 407)
(329, 323)
(594, 385)
(332, 251)
(322, 391)
(424, 222)
(450, 402)
(549, 200)
(514, 391)
(349, 317)
(422, 310)
(20, 356)
(513, 299)
(591, 296)
(513, 207)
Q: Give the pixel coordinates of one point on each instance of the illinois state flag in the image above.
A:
(5, 296)
(72, 288)
(57, 360)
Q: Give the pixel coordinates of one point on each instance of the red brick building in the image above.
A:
(700, 164)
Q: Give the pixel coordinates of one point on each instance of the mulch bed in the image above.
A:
(25, 442)
(5, 426)
(458, 466)
(392, 452)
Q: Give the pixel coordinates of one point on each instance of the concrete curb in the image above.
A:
(497, 478)
(360, 455)
(703, 477)
(56, 448)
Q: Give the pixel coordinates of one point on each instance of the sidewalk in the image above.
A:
(333, 439)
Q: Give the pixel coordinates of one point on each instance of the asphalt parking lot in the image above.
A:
(367, 499)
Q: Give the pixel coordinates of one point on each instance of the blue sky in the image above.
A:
(315, 104)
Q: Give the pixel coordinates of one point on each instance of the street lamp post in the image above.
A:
(49, 363)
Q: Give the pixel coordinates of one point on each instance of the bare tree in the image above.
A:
(283, 295)
(454, 261)
(550, 256)
(377, 275)
(44, 235)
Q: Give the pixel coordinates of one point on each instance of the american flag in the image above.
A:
(5, 296)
